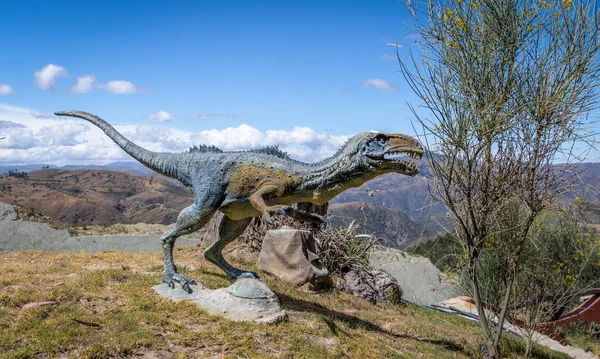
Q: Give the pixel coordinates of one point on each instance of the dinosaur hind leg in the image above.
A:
(228, 230)
(190, 219)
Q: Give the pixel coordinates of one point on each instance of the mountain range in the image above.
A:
(394, 207)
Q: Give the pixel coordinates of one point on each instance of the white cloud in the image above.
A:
(231, 138)
(212, 115)
(379, 85)
(299, 135)
(6, 89)
(34, 137)
(160, 116)
(120, 87)
(84, 84)
(46, 76)
(388, 57)
(9, 124)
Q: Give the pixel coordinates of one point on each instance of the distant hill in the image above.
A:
(129, 167)
(395, 227)
(409, 195)
(84, 197)
(23, 168)
(588, 176)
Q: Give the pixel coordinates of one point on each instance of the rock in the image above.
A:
(290, 255)
(388, 289)
(360, 283)
(417, 276)
(7, 212)
(376, 287)
(247, 299)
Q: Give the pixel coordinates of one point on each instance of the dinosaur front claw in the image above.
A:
(273, 212)
(276, 211)
(267, 218)
(281, 211)
(291, 212)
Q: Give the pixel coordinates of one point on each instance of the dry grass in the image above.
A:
(106, 308)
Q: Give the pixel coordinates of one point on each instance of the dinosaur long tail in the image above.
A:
(163, 163)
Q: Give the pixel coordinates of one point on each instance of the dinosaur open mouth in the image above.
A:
(396, 158)
(398, 155)
(402, 151)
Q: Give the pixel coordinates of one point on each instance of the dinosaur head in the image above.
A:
(380, 153)
(364, 157)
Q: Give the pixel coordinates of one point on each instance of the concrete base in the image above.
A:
(247, 299)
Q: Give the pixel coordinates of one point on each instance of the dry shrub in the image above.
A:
(345, 249)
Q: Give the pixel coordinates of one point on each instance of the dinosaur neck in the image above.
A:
(328, 178)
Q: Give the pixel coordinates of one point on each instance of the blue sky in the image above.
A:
(194, 67)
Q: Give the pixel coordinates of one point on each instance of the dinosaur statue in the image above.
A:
(247, 184)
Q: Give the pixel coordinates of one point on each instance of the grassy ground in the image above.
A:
(106, 308)
(583, 335)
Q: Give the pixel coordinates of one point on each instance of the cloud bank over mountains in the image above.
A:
(36, 138)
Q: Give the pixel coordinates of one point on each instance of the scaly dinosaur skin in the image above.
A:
(246, 184)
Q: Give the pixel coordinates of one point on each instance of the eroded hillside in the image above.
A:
(86, 197)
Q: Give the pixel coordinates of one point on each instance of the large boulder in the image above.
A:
(290, 255)
(417, 276)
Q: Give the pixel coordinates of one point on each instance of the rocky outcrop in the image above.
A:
(290, 255)
(417, 276)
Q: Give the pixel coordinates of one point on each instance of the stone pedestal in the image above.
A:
(247, 299)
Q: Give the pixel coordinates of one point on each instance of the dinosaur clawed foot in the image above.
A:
(238, 273)
(183, 280)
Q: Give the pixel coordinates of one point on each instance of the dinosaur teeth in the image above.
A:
(412, 154)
